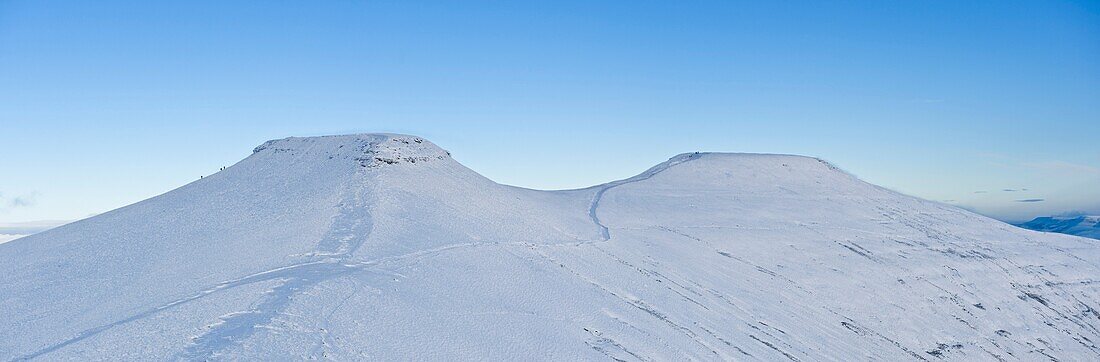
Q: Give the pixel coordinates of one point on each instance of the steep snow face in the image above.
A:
(382, 247)
(1085, 226)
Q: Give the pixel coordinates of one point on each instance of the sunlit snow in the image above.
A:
(383, 247)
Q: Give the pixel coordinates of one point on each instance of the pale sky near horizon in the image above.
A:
(991, 106)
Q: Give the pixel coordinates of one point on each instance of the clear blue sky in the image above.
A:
(105, 103)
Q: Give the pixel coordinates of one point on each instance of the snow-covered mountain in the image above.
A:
(383, 247)
(1086, 226)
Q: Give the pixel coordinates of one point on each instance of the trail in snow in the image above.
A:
(281, 272)
(233, 326)
(652, 171)
(350, 229)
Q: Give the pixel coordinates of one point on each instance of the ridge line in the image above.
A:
(605, 233)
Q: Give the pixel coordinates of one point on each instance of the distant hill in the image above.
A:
(1087, 226)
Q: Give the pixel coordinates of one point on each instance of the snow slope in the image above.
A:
(382, 247)
(1085, 226)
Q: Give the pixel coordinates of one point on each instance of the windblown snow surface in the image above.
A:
(382, 247)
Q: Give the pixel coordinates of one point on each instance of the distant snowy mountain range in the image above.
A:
(1086, 226)
(9, 237)
(382, 247)
(15, 230)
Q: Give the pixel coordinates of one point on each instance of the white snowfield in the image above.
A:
(382, 247)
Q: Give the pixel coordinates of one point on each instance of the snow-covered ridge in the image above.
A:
(379, 149)
(369, 149)
(380, 246)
